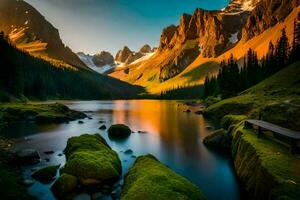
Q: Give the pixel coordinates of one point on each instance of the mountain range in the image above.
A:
(191, 50)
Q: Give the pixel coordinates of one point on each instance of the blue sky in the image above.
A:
(94, 25)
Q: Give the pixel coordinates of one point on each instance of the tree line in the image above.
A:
(24, 75)
(231, 79)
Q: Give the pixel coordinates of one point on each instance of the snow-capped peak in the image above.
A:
(239, 6)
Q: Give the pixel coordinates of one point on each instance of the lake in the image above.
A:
(172, 135)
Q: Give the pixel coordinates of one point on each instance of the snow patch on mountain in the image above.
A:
(88, 60)
(234, 38)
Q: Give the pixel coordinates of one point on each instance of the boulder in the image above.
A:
(149, 179)
(46, 174)
(28, 156)
(91, 160)
(64, 185)
(128, 151)
(103, 127)
(119, 131)
(218, 140)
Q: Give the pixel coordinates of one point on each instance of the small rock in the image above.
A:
(101, 121)
(80, 122)
(187, 111)
(199, 112)
(47, 159)
(128, 151)
(48, 152)
(143, 132)
(103, 127)
(90, 118)
(28, 156)
(60, 154)
(209, 127)
(124, 160)
(28, 182)
(133, 156)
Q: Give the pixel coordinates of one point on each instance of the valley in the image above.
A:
(134, 118)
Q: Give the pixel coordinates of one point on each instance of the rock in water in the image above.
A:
(28, 156)
(219, 140)
(45, 175)
(103, 127)
(119, 131)
(91, 160)
(64, 185)
(149, 179)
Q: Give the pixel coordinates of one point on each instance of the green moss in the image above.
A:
(266, 168)
(12, 112)
(150, 179)
(91, 160)
(229, 120)
(119, 131)
(45, 174)
(64, 185)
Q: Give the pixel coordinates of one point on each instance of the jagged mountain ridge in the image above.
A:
(30, 31)
(164, 70)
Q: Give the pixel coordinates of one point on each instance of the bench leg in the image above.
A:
(293, 148)
(248, 125)
(259, 132)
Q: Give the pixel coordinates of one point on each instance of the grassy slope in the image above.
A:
(281, 89)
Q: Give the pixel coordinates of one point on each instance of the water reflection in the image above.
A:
(173, 136)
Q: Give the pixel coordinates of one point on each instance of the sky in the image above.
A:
(92, 26)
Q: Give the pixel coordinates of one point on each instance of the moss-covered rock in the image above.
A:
(46, 174)
(91, 160)
(229, 120)
(42, 113)
(218, 140)
(119, 131)
(148, 179)
(64, 185)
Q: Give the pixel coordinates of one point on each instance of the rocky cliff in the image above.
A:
(103, 58)
(30, 31)
(127, 56)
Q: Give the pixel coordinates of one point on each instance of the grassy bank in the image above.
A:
(276, 99)
(40, 113)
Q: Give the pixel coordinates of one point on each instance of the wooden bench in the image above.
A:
(292, 136)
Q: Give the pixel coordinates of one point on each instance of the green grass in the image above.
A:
(201, 71)
(281, 89)
(267, 168)
(149, 179)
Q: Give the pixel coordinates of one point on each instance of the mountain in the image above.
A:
(193, 49)
(102, 63)
(30, 31)
(22, 75)
(103, 58)
(126, 56)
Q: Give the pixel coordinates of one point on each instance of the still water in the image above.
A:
(173, 136)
